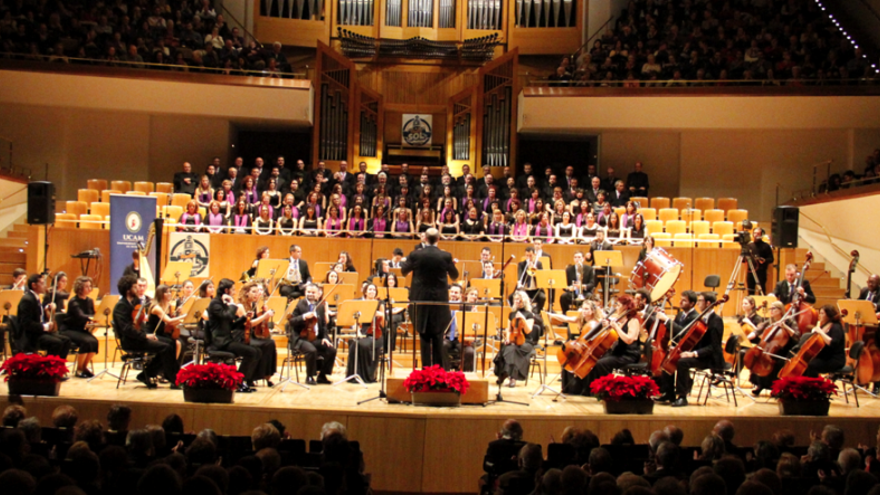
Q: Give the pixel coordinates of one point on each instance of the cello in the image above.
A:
(808, 316)
(581, 355)
(811, 346)
(693, 333)
(760, 359)
(659, 338)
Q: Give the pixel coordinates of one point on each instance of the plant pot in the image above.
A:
(30, 386)
(208, 395)
(436, 399)
(804, 407)
(629, 406)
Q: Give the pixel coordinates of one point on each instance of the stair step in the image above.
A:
(12, 255)
(825, 282)
(17, 234)
(21, 227)
(826, 292)
(13, 243)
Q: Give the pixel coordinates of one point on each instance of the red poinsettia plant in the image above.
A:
(436, 379)
(618, 387)
(35, 367)
(802, 388)
(210, 376)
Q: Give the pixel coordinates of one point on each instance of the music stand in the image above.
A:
(489, 288)
(348, 278)
(548, 325)
(272, 270)
(607, 259)
(278, 304)
(489, 328)
(104, 308)
(462, 319)
(550, 280)
(174, 270)
(759, 304)
(193, 314)
(350, 313)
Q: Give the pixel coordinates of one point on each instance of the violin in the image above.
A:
(50, 314)
(261, 330)
(692, 336)
(173, 329)
(517, 330)
(248, 324)
(375, 329)
(581, 355)
(139, 313)
(309, 333)
(808, 314)
(761, 358)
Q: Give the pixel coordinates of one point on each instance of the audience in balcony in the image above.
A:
(180, 35)
(673, 44)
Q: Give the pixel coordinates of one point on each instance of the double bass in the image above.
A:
(580, 356)
(807, 314)
(692, 336)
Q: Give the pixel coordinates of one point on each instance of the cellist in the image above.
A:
(588, 318)
(512, 361)
(706, 354)
(756, 325)
(833, 356)
(628, 349)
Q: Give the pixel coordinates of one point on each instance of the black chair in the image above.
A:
(137, 360)
(724, 376)
(847, 374)
(642, 367)
(712, 282)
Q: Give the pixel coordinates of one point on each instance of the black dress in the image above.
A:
(832, 357)
(513, 360)
(268, 363)
(155, 326)
(369, 352)
(471, 227)
(73, 324)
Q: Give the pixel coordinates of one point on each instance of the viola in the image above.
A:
(808, 314)
(248, 324)
(375, 329)
(309, 333)
(694, 333)
(261, 330)
(581, 355)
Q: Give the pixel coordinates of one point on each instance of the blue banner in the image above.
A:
(130, 221)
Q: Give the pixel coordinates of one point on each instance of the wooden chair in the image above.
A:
(135, 193)
(107, 224)
(737, 217)
(659, 203)
(202, 211)
(173, 212)
(722, 228)
(165, 187)
(641, 200)
(77, 207)
(699, 227)
(619, 210)
(676, 227)
(96, 184)
(105, 194)
(729, 241)
(691, 215)
(653, 226)
(667, 214)
(145, 187)
(708, 237)
(91, 222)
(121, 185)
(704, 203)
(180, 200)
(663, 239)
(683, 240)
(682, 203)
(100, 209)
(648, 213)
(65, 220)
(161, 198)
(713, 216)
(88, 195)
(727, 204)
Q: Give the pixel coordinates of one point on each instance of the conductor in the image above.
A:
(430, 266)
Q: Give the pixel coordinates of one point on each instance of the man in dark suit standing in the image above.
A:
(706, 354)
(430, 267)
(308, 312)
(185, 182)
(785, 288)
(580, 280)
(132, 289)
(762, 258)
(226, 326)
(297, 275)
(637, 181)
(36, 329)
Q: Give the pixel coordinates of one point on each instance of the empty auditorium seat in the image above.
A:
(135, 193)
(88, 195)
(683, 240)
(100, 209)
(667, 214)
(736, 217)
(653, 226)
(180, 200)
(676, 227)
(659, 203)
(713, 216)
(165, 187)
(619, 210)
(173, 212)
(142, 186)
(90, 222)
(704, 203)
(161, 198)
(120, 185)
(699, 227)
(727, 204)
(96, 184)
(648, 213)
(706, 237)
(663, 239)
(105, 194)
(682, 203)
(729, 241)
(65, 220)
(77, 207)
(691, 214)
(641, 200)
(722, 228)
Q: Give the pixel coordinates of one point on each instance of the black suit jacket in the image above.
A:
(527, 279)
(223, 323)
(305, 276)
(296, 324)
(863, 296)
(588, 277)
(123, 323)
(429, 266)
(709, 347)
(681, 321)
(618, 199)
(784, 295)
(501, 456)
(180, 187)
(30, 320)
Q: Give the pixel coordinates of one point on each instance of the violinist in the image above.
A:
(134, 338)
(308, 311)
(206, 289)
(762, 257)
(251, 300)
(785, 288)
(707, 353)
(365, 344)
(57, 294)
(226, 332)
(512, 361)
(628, 349)
(160, 322)
(453, 341)
(526, 279)
(833, 356)
(80, 312)
(37, 328)
(756, 325)
(580, 282)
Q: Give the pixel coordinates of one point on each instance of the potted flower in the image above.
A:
(209, 382)
(626, 394)
(33, 374)
(803, 396)
(434, 386)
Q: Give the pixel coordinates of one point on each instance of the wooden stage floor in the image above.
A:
(404, 445)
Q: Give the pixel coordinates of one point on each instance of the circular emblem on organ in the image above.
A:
(191, 251)
(416, 131)
(133, 222)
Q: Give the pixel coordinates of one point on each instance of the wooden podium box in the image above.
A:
(478, 393)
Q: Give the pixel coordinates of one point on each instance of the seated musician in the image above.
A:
(758, 325)
(160, 321)
(297, 275)
(527, 281)
(785, 288)
(74, 326)
(187, 293)
(251, 299)
(707, 353)
(488, 269)
(589, 317)
(307, 312)
(19, 280)
(512, 361)
(206, 289)
(871, 291)
(262, 254)
(398, 315)
(37, 329)
(226, 332)
(455, 343)
(366, 347)
(832, 357)
(134, 338)
(57, 294)
(579, 280)
(628, 349)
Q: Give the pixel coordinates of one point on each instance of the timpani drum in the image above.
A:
(658, 272)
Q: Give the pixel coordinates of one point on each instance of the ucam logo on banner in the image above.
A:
(130, 221)
(191, 248)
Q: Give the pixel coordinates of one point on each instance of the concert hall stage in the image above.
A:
(430, 450)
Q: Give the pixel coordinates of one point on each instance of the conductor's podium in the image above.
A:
(478, 393)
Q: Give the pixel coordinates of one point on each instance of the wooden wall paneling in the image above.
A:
(64, 242)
